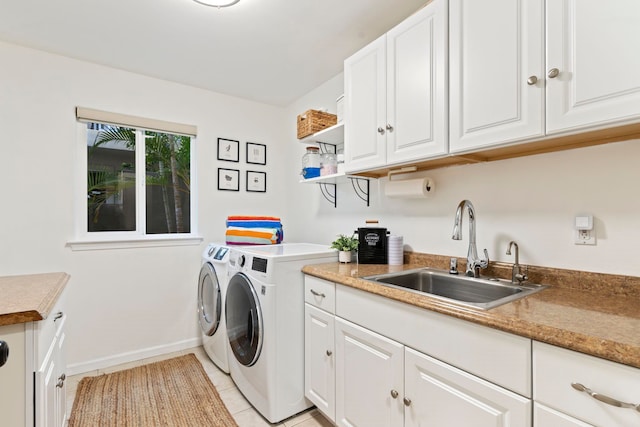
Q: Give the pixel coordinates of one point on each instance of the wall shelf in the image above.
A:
(333, 135)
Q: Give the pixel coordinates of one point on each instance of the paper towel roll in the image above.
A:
(409, 188)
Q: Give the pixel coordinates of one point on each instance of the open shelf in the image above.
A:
(333, 135)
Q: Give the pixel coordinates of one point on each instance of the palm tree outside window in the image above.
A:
(112, 203)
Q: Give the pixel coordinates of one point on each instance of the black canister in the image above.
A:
(372, 245)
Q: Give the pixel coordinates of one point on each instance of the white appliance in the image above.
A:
(265, 324)
(212, 288)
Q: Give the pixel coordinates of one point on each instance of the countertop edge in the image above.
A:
(40, 309)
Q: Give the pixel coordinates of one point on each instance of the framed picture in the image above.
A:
(228, 179)
(256, 182)
(228, 150)
(256, 153)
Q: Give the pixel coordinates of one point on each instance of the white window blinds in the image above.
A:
(90, 115)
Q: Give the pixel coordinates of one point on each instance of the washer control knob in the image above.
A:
(241, 260)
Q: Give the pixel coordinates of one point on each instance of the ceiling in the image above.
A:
(269, 51)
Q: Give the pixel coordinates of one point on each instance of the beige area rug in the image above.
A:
(174, 393)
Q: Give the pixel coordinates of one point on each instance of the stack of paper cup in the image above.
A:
(395, 254)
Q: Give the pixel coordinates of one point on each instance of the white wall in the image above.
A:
(129, 303)
(532, 200)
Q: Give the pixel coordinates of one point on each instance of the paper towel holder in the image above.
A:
(409, 169)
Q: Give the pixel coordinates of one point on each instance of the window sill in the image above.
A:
(134, 242)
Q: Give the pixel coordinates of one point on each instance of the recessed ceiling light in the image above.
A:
(217, 3)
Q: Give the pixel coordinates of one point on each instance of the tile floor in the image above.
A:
(237, 405)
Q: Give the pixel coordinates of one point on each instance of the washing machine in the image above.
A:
(265, 324)
(212, 287)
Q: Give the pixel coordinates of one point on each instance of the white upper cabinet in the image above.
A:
(365, 96)
(496, 65)
(396, 94)
(511, 82)
(595, 47)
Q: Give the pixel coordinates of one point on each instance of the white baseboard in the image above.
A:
(117, 359)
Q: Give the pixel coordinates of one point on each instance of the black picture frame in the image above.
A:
(256, 182)
(228, 150)
(228, 179)
(256, 153)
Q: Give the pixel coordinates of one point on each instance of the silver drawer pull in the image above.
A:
(605, 399)
(318, 294)
(58, 316)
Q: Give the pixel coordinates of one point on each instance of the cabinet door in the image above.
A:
(595, 47)
(369, 373)
(417, 83)
(364, 112)
(442, 395)
(46, 382)
(545, 417)
(61, 384)
(495, 46)
(319, 354)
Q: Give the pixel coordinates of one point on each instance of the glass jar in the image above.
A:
(328, 164)
(311, 163)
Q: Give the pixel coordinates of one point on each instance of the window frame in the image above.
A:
(85, 240)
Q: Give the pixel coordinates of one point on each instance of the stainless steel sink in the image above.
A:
(480, 293)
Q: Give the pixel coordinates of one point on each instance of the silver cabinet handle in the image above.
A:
(605, 399)
(329, 352)
(381, 130)
(407, 401)
(58, 316)
(61, 379)
(318, 294)
(553, 73)
(532, 80)
(389, 127)
(394, 394)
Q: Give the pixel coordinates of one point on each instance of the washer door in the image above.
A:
(209, 300)
(244, 320)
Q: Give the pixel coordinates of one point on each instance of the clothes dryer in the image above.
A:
(265, 324)
(212, 287)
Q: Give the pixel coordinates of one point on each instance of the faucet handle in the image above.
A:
(484, 263)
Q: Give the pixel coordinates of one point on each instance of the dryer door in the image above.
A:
(209, 300)
(244, 320)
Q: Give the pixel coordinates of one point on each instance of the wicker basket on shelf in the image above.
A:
(312, 121)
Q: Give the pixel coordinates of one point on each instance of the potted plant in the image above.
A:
(345, 245)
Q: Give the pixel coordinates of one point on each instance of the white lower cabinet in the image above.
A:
(437, 394)
(319, 366)
(358, 373)
(369, 378)
(50, 389)
(544, 416)
(32, 382)
(380, 382)
(574, 389)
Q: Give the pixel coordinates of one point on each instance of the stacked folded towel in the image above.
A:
(253, 230)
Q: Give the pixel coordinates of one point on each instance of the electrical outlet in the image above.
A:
(585, 237)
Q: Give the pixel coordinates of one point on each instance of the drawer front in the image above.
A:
(46, 330)
(320, 293)
(555, 369)
(496, 356)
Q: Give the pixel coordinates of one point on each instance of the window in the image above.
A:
(138, 181)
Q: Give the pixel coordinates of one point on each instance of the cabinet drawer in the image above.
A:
(555, 369)
(320, 293)
(47, 329)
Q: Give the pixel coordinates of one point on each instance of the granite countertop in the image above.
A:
(28, 298)
(600, 324)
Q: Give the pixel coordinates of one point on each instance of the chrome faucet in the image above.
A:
(516, 274)
(474, 263)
